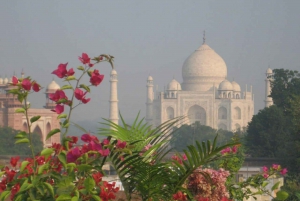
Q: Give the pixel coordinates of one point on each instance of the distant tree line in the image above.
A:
(8, 146)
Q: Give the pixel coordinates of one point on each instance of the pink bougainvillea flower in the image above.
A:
(61, 70)
(184, 157)
(104, 152)
(85, 59)
(26, 84)
(234, 149)
(97, 177)
(180, 196)
(58, 109)
(70, 72)
(36, 87)
(283, 171)
(121, 145)
(14, 161)
(265, 175)
(265, 169)
(59, 94)
(73, 155)
(14, 190)
(226, 150)
(96, 78)
(91, 65)
(204, 199)
(105, 142)
(15, 80)
(276, 166)
(80, 95)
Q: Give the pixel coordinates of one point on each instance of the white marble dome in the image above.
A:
(235, 86)
(150, 78)
(174, 85)
(225, 86)
(1, 80)
(53, 86)
(113, 72)
(202, 69)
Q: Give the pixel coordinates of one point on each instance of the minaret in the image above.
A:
(268, 100)
(113, 102)
(150, 97)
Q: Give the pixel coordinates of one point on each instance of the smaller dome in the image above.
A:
(150, 78)
(113, 72)
(225, 85)
(269, 71)
(53, 86)
(235, 86)
(5, 81)
(174, 85)
(1, 80)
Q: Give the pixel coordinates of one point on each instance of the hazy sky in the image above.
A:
(147, 38)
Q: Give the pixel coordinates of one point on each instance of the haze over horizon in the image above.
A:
(146, 38)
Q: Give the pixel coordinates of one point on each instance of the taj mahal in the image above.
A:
(205, 95)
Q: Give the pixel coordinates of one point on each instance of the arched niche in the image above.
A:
(38, 130)
(197, 113)
(25, 127)
(170, 112)
(222, 126)
(48, 129)
(237, 113)
(222, 113)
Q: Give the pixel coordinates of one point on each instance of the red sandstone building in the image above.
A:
(8, 118)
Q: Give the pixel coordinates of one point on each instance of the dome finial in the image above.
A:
(204, 37)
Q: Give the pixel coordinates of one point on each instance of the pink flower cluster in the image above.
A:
(62, 72)
(229, 150)
(204, 189)
(275, 167)
(178, 159)
(26, 84)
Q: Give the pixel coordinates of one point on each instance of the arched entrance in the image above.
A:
(197, 113)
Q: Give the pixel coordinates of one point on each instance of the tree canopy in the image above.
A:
(275, 131)
(8, 146)
(188, 134)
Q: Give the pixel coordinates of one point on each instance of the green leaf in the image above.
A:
(85, 87)
(96, 197)
(20, 110)
(66, 87)
(23, 165)
(84, 167)
(282, 195)
(275, 186)
(52, 132)
(21, 134)
(71, 166)
(14, 91)
(80, 68)
(4, 195)
(20, 97)
(42, 168)
(62, 158)
(89, 184)
(66, 125)
(64, 198)
(49, 188)
(74, 198)
(2, 173)
(70, 78)
(61, 116)
(264, 184)
(34, 119)
(47, 152)
(24, 140)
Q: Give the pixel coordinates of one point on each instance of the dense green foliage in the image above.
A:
(188, 134)
(8, 146)
(275, 131)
